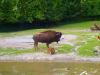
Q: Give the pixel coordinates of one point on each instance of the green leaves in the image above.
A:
(8, 10)
(51, 10)
(90, 8)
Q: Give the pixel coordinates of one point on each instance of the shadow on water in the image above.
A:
(13, 27)
(49, 68)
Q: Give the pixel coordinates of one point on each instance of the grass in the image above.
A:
(67, 28)
(64, 28)
(65, 48)
(78, 25)
(13, 51)
(42, 48)
(88, 48)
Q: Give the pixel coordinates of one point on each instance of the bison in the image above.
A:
(47, 37)
(51, 50)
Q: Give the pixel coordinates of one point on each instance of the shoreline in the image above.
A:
(42, 57)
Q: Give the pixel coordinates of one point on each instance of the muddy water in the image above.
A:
(49, 68)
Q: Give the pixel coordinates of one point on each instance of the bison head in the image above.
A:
(58, 36)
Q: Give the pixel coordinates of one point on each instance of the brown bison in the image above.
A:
(47, 37)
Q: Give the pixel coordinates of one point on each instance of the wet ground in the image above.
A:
(26, 42)
(47, 57)
(45, 64)
(49, 68)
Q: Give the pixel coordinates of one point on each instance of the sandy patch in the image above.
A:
(26, 42)
(47, 57)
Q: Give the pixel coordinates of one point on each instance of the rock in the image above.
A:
(96, 50)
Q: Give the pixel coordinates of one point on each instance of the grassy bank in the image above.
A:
(71, 27)
(87, 40)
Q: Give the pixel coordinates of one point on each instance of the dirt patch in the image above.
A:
(47, 57)
(26, 42)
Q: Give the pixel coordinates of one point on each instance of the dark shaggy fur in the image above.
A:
(47, 37)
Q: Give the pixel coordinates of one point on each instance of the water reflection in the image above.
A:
(49, 68)
(60, 71)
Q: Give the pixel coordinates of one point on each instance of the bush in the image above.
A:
(49, 10)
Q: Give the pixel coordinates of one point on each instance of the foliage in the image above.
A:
(90, 8)
(9, 11)
(46, 10)
(73, 28)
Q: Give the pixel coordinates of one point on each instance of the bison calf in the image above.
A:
(51, 50)
(47, 37)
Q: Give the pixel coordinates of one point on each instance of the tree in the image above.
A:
(49, 10)
(90, 8)
(9, 11)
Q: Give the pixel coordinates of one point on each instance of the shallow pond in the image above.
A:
(49, 68)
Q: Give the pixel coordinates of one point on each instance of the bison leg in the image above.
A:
(35, 45)
(49, 51)
(57, 42)
(47, 45)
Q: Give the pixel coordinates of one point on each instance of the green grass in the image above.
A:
(67, 28)
(42, 48)
(62, 48)
(64, 28)
(78, 25)
(13, 51)
(87, 49)
(20, 33)
(65, 48)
